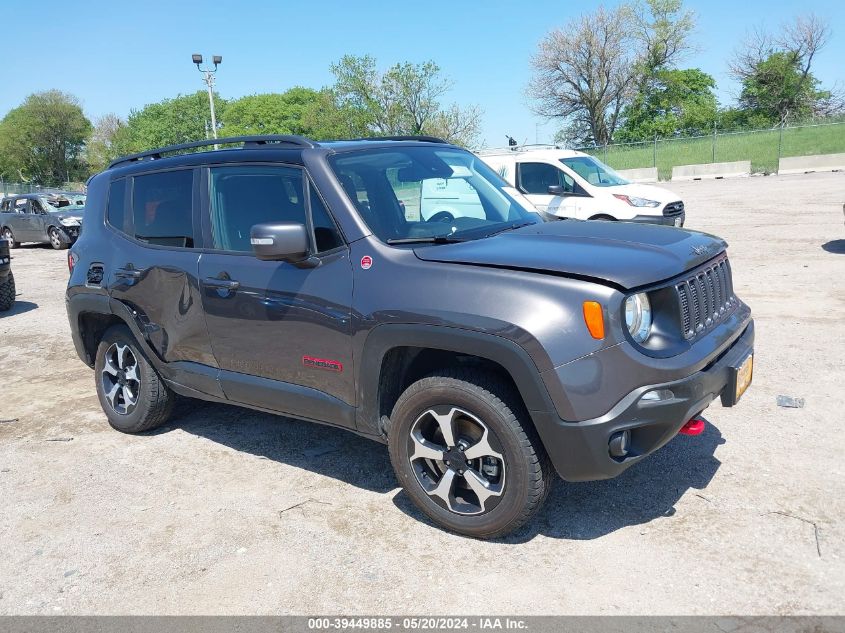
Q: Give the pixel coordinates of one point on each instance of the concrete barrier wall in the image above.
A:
(644, 174)
(818, 162)
(712, 170)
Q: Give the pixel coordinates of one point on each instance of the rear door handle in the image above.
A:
(128, 273)
(223, 284)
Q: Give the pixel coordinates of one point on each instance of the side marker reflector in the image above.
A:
(594, 318)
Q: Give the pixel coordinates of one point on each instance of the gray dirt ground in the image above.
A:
(231, 511)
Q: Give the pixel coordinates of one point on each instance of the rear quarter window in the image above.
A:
(116, 210)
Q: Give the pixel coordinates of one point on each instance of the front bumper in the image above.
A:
(580, 451)
(664, 220)
(69, 234)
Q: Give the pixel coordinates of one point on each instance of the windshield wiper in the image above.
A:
(510, 227)
(433, 239)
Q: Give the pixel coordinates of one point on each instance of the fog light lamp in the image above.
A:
(619, 442)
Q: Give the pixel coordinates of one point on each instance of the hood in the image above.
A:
(624, 254)
(76, 214)
(646, 191)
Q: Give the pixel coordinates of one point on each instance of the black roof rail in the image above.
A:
(268, 140)
(427, 139)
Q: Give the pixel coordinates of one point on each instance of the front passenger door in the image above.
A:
(534, 180)
(281, 333)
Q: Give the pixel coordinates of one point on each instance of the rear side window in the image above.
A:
(117, 205)
(162, 208)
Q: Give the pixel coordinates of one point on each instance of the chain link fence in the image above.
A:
(764, 148)
(15, 188)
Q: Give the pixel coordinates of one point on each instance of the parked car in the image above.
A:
(32, 218)
(7, 279)
(285, 276)
(571, 184)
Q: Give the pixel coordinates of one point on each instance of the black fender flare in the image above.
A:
(505, 352)
(184, 377)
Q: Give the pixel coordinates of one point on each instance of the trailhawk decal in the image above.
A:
(322, 363)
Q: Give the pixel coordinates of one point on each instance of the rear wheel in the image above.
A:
(7, 293)
(7, 233)
(56, 240)
(132, 394)
(466, 454)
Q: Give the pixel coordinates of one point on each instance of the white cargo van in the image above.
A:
(573, 184)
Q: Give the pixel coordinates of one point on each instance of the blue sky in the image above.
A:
(115, 56)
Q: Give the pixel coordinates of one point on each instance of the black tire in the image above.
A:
(153, 401)
(7, 233)
(603, 217)
(525, 468)
(56, 240)
(7, 293)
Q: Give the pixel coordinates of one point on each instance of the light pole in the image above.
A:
(208, 78)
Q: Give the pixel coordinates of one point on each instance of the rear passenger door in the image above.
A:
(281, 334)
(153, 265)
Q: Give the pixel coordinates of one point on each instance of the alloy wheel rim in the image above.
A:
(456, 460)
(121, 379)
(54, 237)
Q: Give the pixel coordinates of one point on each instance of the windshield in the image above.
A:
(419, 192)
(594, 171)
(64, 203)
(45, 204)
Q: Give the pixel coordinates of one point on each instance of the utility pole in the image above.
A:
(208, 79)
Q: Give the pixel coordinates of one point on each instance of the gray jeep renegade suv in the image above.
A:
(483, 346)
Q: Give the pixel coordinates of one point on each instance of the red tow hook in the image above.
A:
(693, 427)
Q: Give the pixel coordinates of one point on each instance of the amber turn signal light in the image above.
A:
(594, 318)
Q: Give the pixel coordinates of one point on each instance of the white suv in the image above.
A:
(572, 184)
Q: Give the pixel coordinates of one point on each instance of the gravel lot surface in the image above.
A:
(230, 511)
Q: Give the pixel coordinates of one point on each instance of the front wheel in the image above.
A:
(466, 454)
(56, 240)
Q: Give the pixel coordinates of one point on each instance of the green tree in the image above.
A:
(183, 119)
(779, 91)
(586, 72)
(672, 102)
(100, 149)
(403, 100)
(42, 140)
(303, 111)
(775, 71)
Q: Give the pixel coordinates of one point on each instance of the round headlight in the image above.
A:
(638, 316)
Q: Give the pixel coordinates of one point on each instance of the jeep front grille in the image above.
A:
(706, 297)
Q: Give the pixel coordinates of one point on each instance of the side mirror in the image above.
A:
(280, 241)
(557, 190)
